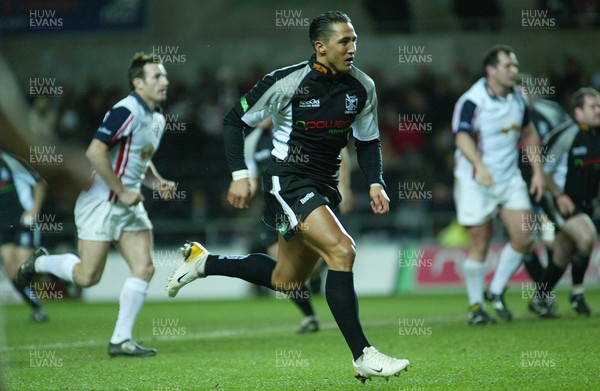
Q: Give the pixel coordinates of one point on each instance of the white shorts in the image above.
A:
(100, 220)
(476, 204)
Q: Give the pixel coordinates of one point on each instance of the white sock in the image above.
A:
(130, 304)
(61, 265)
(509, 262)
(577, 289)
(474, 274)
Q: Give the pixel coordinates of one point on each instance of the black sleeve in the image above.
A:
(233, 138)
(369, 160)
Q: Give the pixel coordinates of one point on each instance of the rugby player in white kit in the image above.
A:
(111, 210)
(488, 121)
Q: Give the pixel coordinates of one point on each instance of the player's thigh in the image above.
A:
(580, 228)
(295, 262)
(323, 233)
(93, 256)
(136, 248)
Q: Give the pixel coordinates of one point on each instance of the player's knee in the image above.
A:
(523, 243)
(341, 256)
(144, 272)
(87, 279)
(585, 242)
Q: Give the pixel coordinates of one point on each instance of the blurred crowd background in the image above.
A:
(415, 100)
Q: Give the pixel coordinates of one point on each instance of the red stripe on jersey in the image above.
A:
(125, 126)
(129, 139)
(112, 196)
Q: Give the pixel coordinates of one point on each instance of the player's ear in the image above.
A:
(320, 47)
(137, 82)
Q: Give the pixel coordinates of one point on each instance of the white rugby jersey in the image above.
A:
(495, 124)
(132, 133)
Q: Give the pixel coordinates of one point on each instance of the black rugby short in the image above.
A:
(290, 199)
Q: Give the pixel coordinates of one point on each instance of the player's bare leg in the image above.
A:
(136, 248)
(324, 235)
(93, 259)
(521, 243)
(474, 271)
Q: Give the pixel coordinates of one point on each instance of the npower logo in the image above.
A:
(323, 124)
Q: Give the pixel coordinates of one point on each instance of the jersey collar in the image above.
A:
(157, 109)
(493, 95)
(320, 67)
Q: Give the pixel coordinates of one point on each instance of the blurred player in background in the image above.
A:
(573, 179)
(22, 193)
(488, 121)
(550, 120)
(112, 210)
(314, 105)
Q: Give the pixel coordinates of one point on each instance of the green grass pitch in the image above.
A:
(251, 345)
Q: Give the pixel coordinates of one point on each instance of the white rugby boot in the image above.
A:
(375, 364)
(194, 262)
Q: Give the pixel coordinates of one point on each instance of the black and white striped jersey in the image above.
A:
(313, 112)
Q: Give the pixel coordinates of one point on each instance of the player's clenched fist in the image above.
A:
(380, 202)
(239, 193)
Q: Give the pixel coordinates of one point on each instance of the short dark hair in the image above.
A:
(319, 27)
(491, 55)
(578, 98)
(136, 68)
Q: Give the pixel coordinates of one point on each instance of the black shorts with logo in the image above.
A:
(290, 199)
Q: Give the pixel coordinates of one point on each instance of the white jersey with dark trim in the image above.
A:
(495, 124)
(313, 113)
(132, 133)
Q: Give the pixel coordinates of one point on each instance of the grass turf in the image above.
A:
(251, 345)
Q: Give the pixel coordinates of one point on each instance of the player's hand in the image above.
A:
(483, 176)
(380, 202)
(565, 205)
(537, 186)
(347, 203)
(166, 190)
(239, 193)
(130, 198)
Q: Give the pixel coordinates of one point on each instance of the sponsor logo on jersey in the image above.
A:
(509, 128)
(351, 104)
(147, 152)
(310, 103)
(323, 124)
(307, 197)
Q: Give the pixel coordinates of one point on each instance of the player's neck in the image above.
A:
(496, 89)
